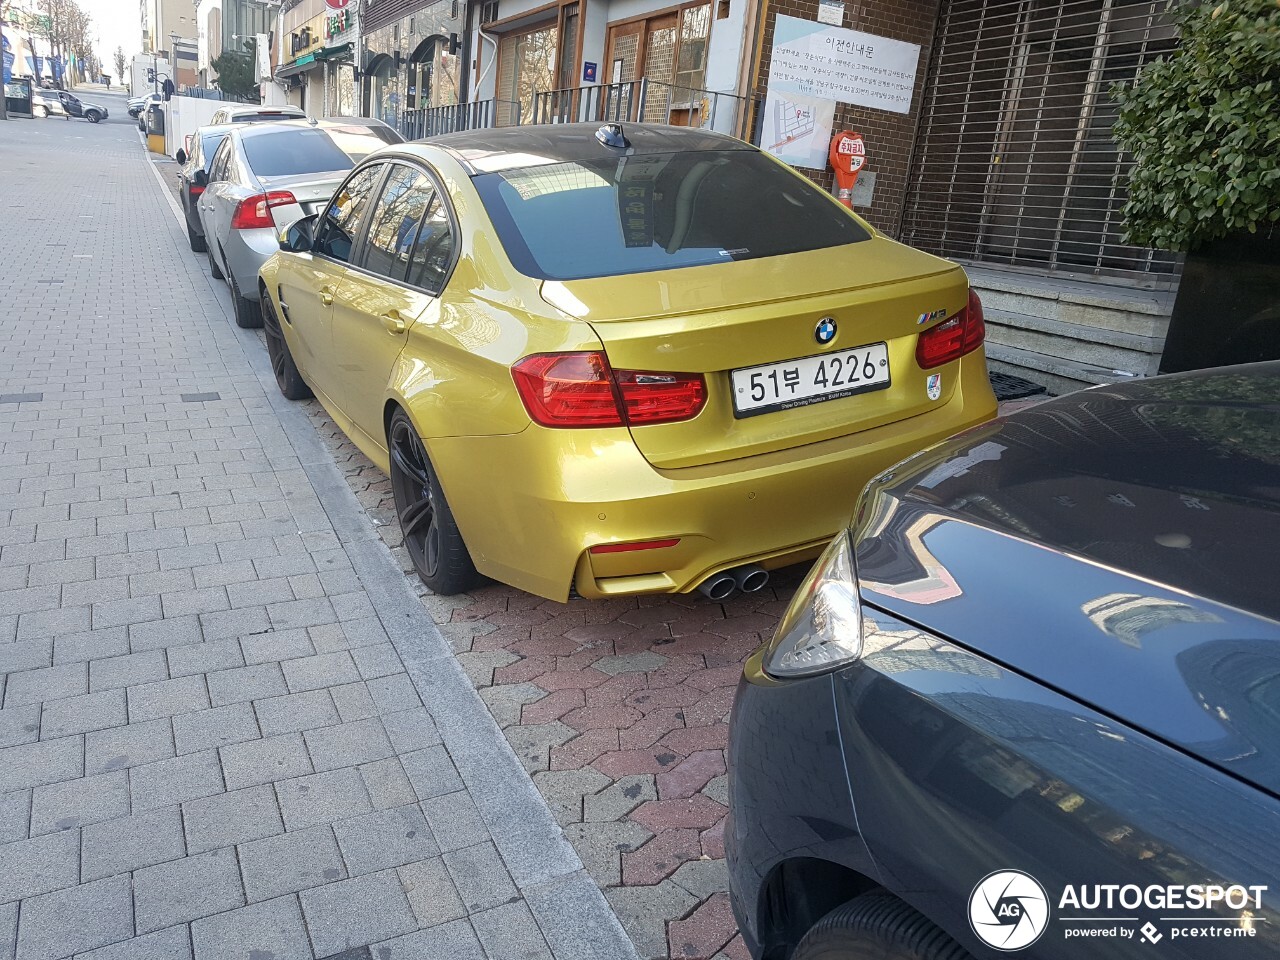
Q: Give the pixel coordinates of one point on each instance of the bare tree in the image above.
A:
(120, 63)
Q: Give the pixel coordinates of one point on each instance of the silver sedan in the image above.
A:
(263, 178)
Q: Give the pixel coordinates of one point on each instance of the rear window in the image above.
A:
(264, 115)
(284, 153)
(622, 215)
(357, 142)
(209, 146)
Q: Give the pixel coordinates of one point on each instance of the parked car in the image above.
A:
(616, 361)
(60, 103)
(1044, 659)
(138, 105)
(255, 113)
(193, 177)
(263, 177)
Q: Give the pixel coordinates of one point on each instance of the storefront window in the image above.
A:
(527, 64)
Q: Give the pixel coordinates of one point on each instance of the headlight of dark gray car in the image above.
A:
(822, 629)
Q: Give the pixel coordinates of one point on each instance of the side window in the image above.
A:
(218, 171)
(433, 252)
(342, 218)
(393, 228)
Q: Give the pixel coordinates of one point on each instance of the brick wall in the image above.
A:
(889, 135)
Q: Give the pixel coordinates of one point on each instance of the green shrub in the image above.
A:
(1203, 126)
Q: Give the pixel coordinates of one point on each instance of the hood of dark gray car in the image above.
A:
(1121, 545)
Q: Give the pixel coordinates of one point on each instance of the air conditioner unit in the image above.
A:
(488, 12)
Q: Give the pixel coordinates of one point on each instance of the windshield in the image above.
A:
(283, 153)
(609, 217)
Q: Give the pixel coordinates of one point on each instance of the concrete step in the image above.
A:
(1107, 349)
(1130, 310)
(1058, 375)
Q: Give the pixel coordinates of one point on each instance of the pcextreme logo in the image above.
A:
(1008, 910)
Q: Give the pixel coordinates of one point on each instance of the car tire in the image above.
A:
(288, 378)
(214, 268)
(248, 314)
(40, 111)
(877, 926)
(431, 535)
(197, 244)
(93, 116)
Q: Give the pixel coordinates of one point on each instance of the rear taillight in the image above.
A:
(952, 339)
(196, 191)
(255, 212)
(581, 390)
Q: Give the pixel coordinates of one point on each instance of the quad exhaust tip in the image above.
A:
(748, 579)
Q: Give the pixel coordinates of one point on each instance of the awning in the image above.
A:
(301, 65)
(341, 51)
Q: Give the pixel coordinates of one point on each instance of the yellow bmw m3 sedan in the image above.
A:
(616, 360)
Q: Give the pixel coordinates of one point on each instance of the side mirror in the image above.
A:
(299, 235)
(181, 157)
(201, 179)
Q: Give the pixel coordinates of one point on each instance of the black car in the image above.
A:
(193, 177)
(1030, 700)
(45, 103)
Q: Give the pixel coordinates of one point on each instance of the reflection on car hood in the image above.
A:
(1119, 544)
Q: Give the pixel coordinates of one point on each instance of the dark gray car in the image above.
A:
(1030, 701)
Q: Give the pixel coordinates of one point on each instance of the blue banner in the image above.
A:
(8, 66)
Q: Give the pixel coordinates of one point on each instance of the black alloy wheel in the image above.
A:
(288, 378)
(430, 534)
(877, 926)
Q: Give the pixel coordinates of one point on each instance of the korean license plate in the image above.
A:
(797, 383)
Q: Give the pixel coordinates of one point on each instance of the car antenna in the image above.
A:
(611, 135)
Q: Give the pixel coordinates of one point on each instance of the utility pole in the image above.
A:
(4, 104)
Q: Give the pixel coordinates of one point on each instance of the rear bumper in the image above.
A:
(578, 488)
(246, 251)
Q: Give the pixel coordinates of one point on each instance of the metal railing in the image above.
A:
(643, 101)
(425, 122)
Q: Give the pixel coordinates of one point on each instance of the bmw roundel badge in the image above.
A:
(826, 330)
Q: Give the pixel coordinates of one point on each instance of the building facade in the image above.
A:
(223, 25)
(314, 50)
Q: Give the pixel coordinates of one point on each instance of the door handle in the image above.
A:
(392, 322)
(326, 295)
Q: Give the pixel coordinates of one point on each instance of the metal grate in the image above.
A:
(1014, 160)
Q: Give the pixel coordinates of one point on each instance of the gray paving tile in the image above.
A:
(26, 655)
(454, 820)
(322, 670)
(217, 727)
(296, 712)
(47, 683)
(130, 843)
(290, 862)
(431, 892)
(165, 698)
(159, 634)
(273, 929)
(230, 818)
(8, 930)
(39, 865)
(234, 623)
(93, 711)
(455, 940)
(265, 761)
(69, 921)
(168, 782)
(276, 645)
(322, 798)
(205, 657)
(171, 944)
(411, 729)
(111, 673)
(74, 803)
(480, 876)
(246, 683)
(90, 645)
(35, 764)
(355, 913)
(348, 744)
(385, 838)
(387, 784)
(21, 724)
(15, 815)
(510, 931)
(431, 772)
(121, 747)
(186, 889)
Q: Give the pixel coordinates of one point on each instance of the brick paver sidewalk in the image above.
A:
(228, 730)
